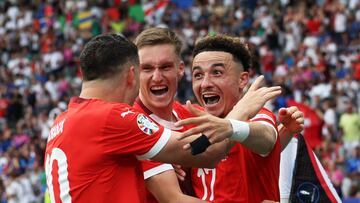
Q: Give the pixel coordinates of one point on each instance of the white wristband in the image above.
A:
(241, 130)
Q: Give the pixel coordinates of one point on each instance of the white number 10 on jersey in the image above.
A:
(58, 155)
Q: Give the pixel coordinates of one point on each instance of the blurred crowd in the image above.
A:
(311, 48)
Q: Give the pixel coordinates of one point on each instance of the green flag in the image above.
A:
(137, 13)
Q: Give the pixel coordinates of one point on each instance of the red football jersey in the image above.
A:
(93, 150)
(225, 183)
(263, 171)
(230, 180)
(152, 168)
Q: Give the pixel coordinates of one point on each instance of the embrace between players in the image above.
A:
(94, 154)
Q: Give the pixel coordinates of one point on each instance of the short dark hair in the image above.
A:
(105, 55)
(232, 45)
(158, 36)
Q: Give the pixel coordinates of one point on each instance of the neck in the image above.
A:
(104, 90)
(162, 112)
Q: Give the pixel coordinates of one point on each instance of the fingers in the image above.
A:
(181, 178)
(272, 89)
(300, 120)
(297, 114)
(180, 173)
(283, 111)
(187, 146)
(193, 110)
(182, 136)
(213, 135)
(257, 83)
(272, 95)
(193, 120)
(177, 166)
(193, 131)
(215, 139)
(292, 109)
(269, 90)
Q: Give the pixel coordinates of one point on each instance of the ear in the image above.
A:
(131, 77)
(81, 74)
(243, 80)
(181, 70)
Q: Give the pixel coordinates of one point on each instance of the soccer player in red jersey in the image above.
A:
(160, 71)
(93, 148)
(220, 74)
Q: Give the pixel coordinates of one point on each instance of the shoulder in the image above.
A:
(126, 112)
(98, 106)
(182, 110)
(266, 111)
(265, 115)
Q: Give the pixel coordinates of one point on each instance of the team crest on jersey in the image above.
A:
(146, 125)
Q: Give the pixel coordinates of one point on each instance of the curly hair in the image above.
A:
(225, 43)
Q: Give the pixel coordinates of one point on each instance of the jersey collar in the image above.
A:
(168, 124)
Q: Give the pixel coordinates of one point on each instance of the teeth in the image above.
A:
(209, 95)
(159, 90)
(158, 87)
(211, 98)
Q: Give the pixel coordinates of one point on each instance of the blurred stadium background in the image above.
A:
(311, 48)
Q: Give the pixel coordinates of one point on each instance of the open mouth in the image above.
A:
(159, 90)
(211, 99)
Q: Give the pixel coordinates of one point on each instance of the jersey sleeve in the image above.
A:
(129, 132)
(152, 168)
(266, 117)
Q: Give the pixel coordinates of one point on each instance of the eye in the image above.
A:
(146, 68)
(217, 72)
(166, 67)
(197, 75)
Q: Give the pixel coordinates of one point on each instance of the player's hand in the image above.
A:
(216, 129)
(292, 119)
(254, 99)
(180, 173)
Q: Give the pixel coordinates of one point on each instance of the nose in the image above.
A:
(157, 75)
(206, 82)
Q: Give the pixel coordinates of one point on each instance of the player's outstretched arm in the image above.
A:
(177, 148)
(256, 136)
(165, 188)
(176, 151)
(292, 122)
(253, 100)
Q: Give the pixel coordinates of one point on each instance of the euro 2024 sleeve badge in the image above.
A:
(146, 125)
